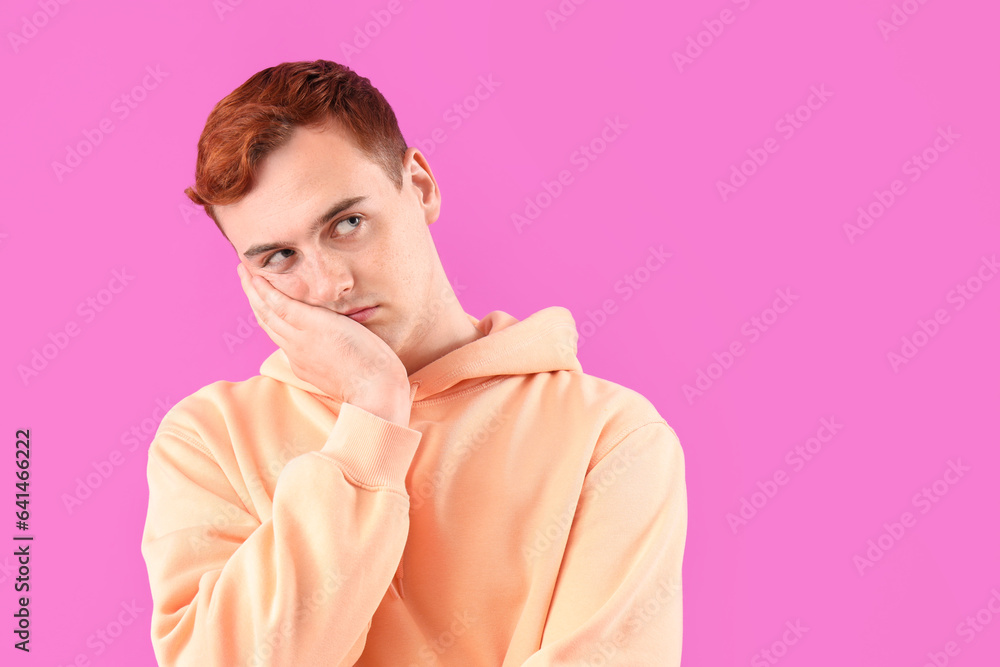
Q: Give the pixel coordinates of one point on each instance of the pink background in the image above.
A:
(170, 330)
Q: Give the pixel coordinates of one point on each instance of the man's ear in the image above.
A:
(417, 171)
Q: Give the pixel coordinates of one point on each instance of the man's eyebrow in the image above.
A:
(328, 215)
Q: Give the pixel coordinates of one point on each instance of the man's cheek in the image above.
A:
(288, 285)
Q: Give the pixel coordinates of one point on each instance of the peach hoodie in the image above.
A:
(530, 515)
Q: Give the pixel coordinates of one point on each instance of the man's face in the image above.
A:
(374, 250)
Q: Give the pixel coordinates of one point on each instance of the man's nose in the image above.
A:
(329, 279)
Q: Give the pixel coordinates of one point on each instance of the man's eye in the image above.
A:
(349, 226)
(281, 254)
(269, 261)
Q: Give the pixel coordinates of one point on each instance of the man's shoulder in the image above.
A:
(212, 409)
(611, 404)
(608, 412)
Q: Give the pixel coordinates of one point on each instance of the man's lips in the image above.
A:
(361, 314)
(356, 310)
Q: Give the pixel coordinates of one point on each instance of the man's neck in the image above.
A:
(451, 332)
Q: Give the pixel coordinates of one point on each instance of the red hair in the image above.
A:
(260, 115)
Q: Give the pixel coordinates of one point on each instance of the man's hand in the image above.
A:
(331, 351)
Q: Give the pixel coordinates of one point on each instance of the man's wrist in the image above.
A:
(390, 402)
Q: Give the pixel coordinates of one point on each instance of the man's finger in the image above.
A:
(264, 313)
(278, 340)
(290, 310)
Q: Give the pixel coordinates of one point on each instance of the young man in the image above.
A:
(403, 483)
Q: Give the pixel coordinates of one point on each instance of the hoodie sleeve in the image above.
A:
(617, 599)
(299, 589)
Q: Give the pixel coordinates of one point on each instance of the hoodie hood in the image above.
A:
(544, 341)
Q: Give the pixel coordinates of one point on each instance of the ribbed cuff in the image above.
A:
(372, 450)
